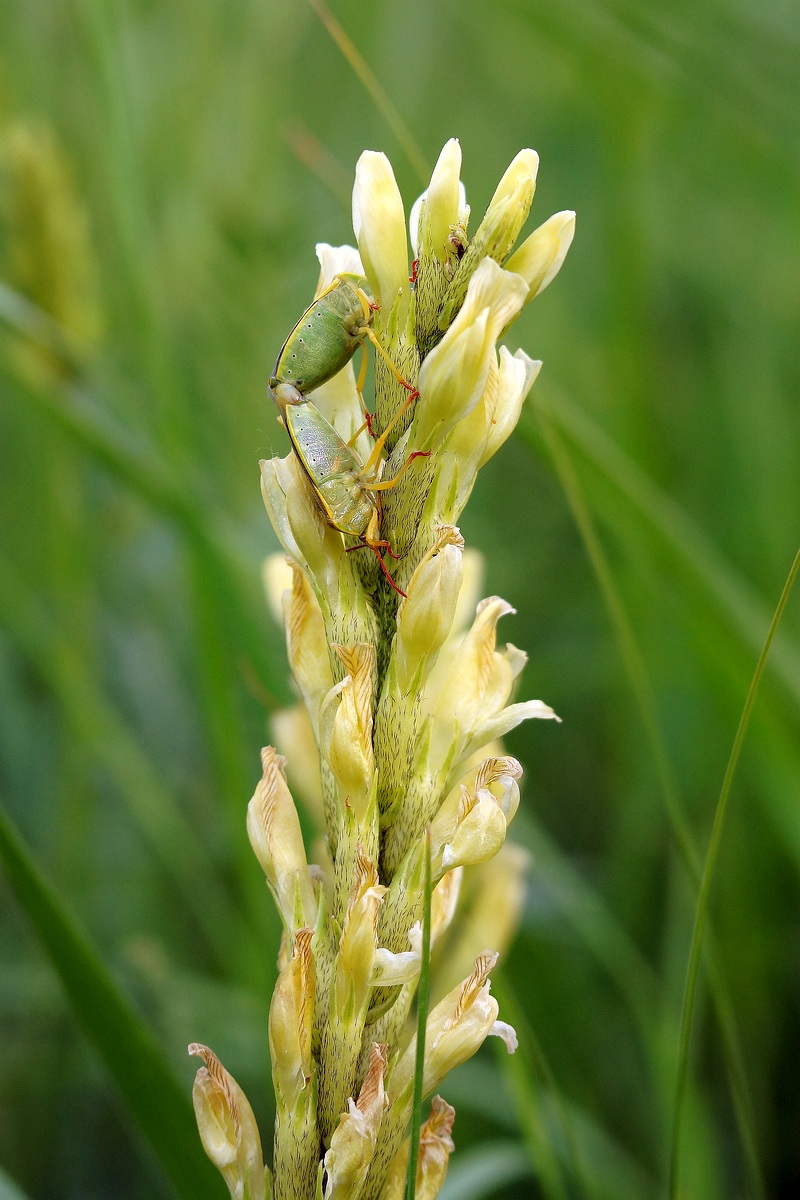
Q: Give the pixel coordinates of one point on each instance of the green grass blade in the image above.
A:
(20, 315)
(694, 552)
(96, 725)
(701, 911)
(632, 658)
(595, 924)
(484, 1172)
(520, 1071)
(641, 687)
(156, 1101)
(612, 1171)
(8, 1189)
(137, 463)
(375, 91)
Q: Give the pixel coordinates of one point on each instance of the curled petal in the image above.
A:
(507, 1033)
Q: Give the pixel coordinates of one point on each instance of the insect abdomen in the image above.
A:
(332, 467)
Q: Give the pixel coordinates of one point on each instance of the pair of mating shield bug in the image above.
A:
(322, 342)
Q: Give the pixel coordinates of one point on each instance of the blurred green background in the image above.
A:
(166, 167)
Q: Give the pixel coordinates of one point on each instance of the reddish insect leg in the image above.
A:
(374, 546)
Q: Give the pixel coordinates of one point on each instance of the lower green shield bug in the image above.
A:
(347, 489)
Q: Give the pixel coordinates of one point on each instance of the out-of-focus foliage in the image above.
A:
(165, 169)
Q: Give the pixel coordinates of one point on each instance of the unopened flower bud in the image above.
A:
(295, 741)
(538, 260)
(298, 521)
(507, 212)
(444, 204)
(465, 683)
(478, 435)
(517, 185)
(277, 479)
(294, 1073)
(474, 682)
(453, 376)
(350, 993)
(473, 566)
(274, 831)
(515, 378)
(228, 1128)
(471, 824)
(353, 1141)
(426, 616)
(452, 379)
(276, 576)
(479, 833)
(444, 899)
(336, 260)
(291, 1016)
(380, 228)
(346, 727)
(306, 643)
(356, 959)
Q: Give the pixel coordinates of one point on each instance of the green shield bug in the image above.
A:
(321, 343)
(348, 490)
(327, 336)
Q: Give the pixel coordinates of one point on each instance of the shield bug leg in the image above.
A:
(373, 542)
(370, 308)
(373, 337)
(384, 568)
(372, 461)
(352, 442)
(362, 376)
(389, 483)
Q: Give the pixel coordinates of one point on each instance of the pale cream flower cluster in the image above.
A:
(404, 695)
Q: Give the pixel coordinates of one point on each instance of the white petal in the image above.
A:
(336, 260)
(507, 1032)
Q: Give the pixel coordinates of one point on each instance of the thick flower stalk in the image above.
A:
(404, 691)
